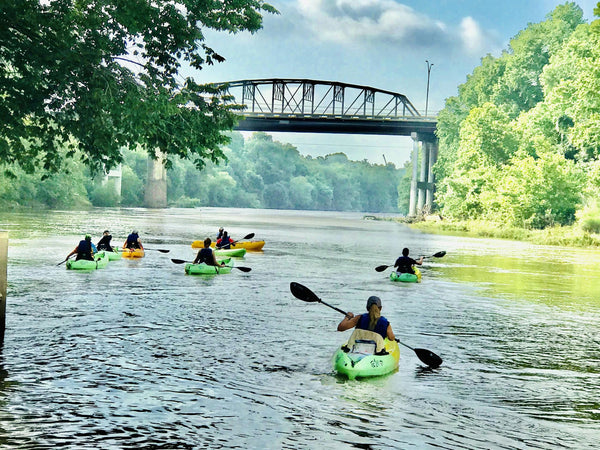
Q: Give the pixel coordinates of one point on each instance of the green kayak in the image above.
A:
(113, 256)
(205, 269)
(237, 252)
(360, 360)
(407, 277)
(100, 261)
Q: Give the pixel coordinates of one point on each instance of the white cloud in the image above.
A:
(473, 38)
(386, 21)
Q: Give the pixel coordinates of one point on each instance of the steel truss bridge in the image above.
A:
(313, 106)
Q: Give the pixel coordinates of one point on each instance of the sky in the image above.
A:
(383, 44)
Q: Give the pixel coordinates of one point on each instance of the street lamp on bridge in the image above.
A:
(429, 66)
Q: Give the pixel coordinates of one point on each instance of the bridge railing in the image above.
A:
(312, 98)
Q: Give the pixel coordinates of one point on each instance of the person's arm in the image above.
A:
(140, 243)
(72, 253)
(390, 333)
(349, 321)
(197, 257)
(420, 261)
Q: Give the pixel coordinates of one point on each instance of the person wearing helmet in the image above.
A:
(84, 250)
(104, 242)
(133, 241)
(219, 234)
(372, 321)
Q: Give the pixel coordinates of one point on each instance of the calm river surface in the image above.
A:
(139, 355)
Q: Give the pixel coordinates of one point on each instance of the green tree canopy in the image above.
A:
(93, 76)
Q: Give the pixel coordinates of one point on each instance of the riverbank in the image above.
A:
(567, 236)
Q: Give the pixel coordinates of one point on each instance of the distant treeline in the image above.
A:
(260, 173)
(520, 143)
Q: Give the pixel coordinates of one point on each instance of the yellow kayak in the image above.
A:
(248, 245)
(131, 252)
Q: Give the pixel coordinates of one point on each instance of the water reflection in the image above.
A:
(140, 355)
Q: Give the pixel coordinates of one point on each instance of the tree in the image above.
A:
(93, 76)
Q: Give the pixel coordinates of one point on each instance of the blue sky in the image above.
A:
(377, 43)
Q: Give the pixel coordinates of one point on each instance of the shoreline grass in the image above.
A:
(565, 236)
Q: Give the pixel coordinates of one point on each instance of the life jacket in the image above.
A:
(404, 264)
(206, 257)
(132, 241)
(380, 327)
(84, 250)
(224, 242)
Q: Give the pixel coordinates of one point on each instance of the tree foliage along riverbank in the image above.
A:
(260, 173)
(94, 77)
(520, 143)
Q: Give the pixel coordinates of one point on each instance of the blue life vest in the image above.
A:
(84, 250)
(380, 327)
(132, 241)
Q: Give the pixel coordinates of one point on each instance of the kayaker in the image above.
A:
(219, 234)
(206, 255)
(104, 242)
(404, 264)
(224, 242)
(373, 321)
(83, 250)
(133, 241)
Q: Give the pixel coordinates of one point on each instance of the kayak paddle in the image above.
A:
(248, 236)
(62, 262)
(305, 294)
(183, 261)
(435, 255)
(162, 250)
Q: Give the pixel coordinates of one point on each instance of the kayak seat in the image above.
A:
(363, 340)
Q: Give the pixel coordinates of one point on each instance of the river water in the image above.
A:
(139, 355)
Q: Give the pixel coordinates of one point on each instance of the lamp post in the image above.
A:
(429, 66)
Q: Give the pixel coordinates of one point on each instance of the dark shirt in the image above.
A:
(404, 264)
(104, 243)
(205, 255)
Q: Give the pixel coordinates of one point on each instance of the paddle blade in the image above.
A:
(381, 268)
(248, 236)
(163, 250)
(303, 293)
(243, 269)
(439, 254)
(179, 261)
(428, 357)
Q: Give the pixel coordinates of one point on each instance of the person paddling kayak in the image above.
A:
(133, 241)
(104, 242)
(404, 264)
(373, 321)
(84, 250)
(224, 242)
(206, 255)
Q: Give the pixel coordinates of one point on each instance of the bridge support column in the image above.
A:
(412, 208)
(156, 185)
(433, 151)
(423, 179)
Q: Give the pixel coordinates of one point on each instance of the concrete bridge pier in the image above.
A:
(422, 184)
(156, 185)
